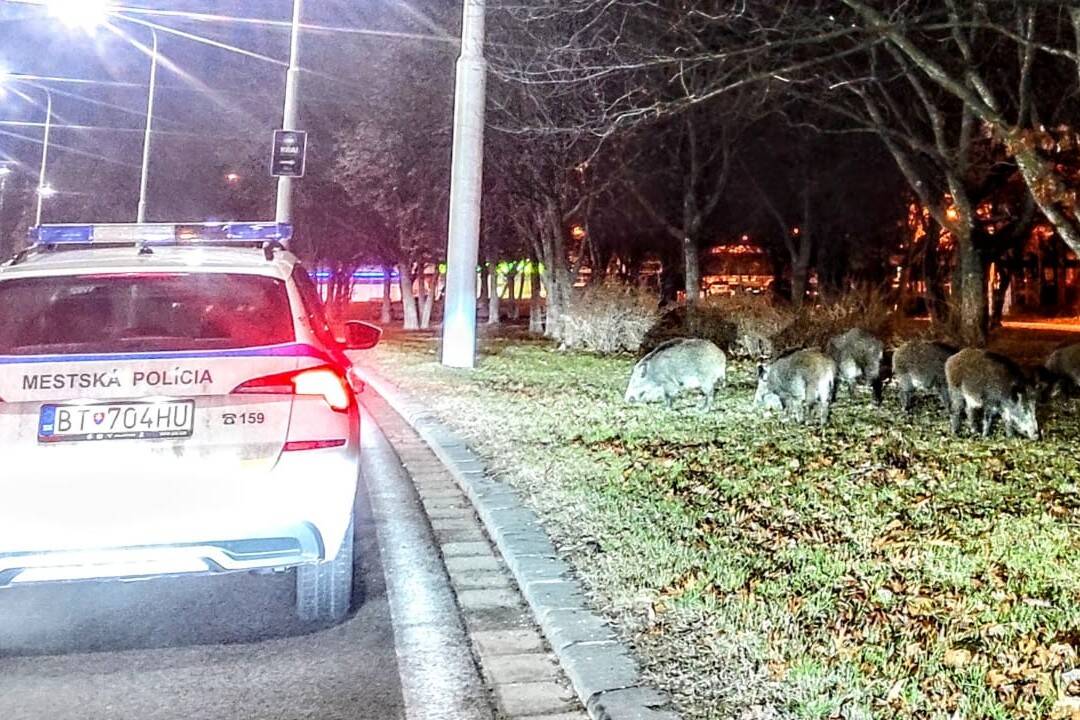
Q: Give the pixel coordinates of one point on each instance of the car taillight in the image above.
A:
(324, 381)
(298, 445)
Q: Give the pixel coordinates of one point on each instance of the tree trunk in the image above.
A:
(692, 271)
(971, 273)
(800, 278)
(1038, 175)
(386, 312)
(800, 263)
(421, 292)
(1001, 290)
(408, 300)
(350, 286)
(429, 299)
(557, 277)
(493, 295)
(934, 295)
(536, 309)
(485, 273)
(511, 292)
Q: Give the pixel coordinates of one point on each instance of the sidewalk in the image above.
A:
(497, 587)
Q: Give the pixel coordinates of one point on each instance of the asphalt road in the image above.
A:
(227, 647)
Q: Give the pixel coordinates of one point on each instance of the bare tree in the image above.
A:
(954, 89)
(681, 178)
(949, 48)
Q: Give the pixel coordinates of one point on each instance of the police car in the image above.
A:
(173, 401)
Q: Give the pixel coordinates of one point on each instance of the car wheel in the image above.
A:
(324, 589)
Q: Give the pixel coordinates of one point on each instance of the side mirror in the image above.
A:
(361, 335)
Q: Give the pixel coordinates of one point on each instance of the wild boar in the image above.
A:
(858, 356)
(986, 386)
(919, 365)
(677, 365)
(1063, 368)
(798, 380)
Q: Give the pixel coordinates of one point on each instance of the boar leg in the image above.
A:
(907, 394)
(987, 421)
(943, 393)
(974, 418)
(707, 401)
(823, 412)
(878, 388)
(955, 413)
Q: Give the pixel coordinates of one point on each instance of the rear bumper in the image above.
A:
(282, 548)
(98, 523)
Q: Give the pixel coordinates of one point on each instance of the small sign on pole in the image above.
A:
(290, 153)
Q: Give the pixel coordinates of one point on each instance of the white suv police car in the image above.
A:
(172, 401)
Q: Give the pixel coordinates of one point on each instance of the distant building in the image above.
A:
(734, 269)
(1046, 276)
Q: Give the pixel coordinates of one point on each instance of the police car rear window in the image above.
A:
(142, 312)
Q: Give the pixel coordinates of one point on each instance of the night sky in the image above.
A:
(216, 109)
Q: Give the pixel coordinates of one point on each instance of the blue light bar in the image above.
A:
(361, 274)
(62, 235)
(161, 234)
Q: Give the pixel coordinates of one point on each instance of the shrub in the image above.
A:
(757, 320)
(813, 325)
(757, 326)
(609, 318)
(741, 325)
(678, 322)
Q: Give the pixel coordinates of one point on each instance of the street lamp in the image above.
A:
(44, 157)
(89, 15)
(459, 314)
(144, 176)
(6, 77)
(83, 14)
(291, 114)
(5, 173)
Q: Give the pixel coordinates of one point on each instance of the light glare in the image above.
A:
(80, 14)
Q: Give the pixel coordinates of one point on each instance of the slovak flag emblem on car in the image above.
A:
(99, 418)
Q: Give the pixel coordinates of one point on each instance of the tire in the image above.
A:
(324, 589)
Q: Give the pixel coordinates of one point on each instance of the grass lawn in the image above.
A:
(876, 568)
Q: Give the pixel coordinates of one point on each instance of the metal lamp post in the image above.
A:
(5, 172)
(459, 315)
(43, 168)
(144, 178)
(291, 115)
(41, 186)
(88, 15)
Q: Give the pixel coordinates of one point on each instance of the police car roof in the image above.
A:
(192, 259)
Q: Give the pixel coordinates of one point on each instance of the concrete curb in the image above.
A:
(604, 674)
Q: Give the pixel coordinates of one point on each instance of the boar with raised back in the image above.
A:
(675, 366)
(858, 356)
(798, 381)
(919, 366)
(986, 386)
(1063, 368)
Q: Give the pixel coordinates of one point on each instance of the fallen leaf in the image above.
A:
(957, 657)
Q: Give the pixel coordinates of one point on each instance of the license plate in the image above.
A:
(117, 421)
